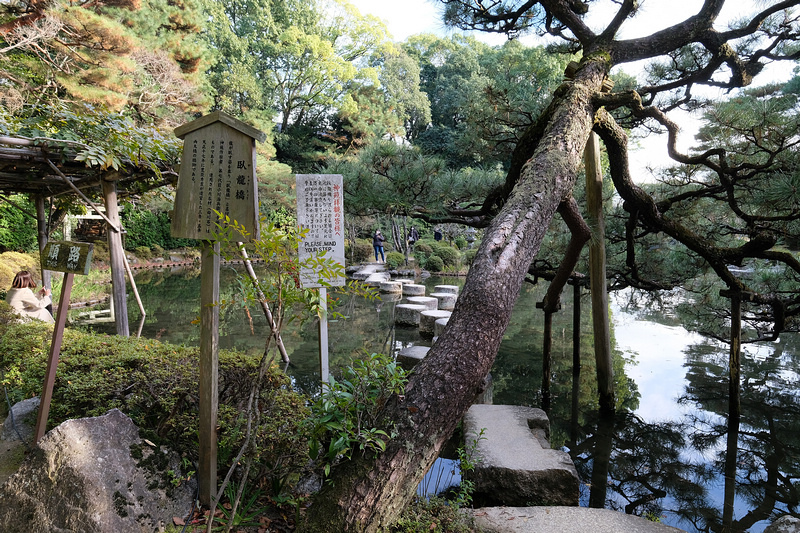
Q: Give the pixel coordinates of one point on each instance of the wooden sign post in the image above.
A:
(319, 210)
(217, 174)
(71, 258)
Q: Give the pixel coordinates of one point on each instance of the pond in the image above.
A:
(665, 455)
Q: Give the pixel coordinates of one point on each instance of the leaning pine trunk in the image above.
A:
(368, 493)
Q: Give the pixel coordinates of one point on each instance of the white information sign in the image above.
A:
(320, 210)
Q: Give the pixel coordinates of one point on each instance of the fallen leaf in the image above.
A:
(178, 521)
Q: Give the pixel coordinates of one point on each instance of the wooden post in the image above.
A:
(117, 253)
(597, 275)
(576, 360)
(547, 357)
(209, 370)
(734, 410)
(52, 360)
(70, 258)
(41, 227)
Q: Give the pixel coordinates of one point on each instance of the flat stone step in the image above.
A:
(377, 278)
(439, 325)
(367, 270)
(452, 289)
(516, 465)
(563, 520)
(427, 321)
(392, 287)
(413, 289)
(431, 304)
(447, 300)
(410, 356)
(408, 314)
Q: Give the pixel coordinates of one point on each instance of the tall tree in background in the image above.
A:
(367, 493)
(143, 56)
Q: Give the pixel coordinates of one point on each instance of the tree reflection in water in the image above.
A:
(669, 466)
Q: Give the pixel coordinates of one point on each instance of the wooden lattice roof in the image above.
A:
(28, 168)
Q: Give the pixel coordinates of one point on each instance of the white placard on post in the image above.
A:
(320, 199)
(320, 210)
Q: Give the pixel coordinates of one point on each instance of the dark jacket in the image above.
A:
(377, 240)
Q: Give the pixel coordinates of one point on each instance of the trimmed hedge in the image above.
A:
(155, 384)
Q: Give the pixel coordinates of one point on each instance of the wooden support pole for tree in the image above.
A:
(547, 357)
(209, 371)
(734, 410)
(117, 253)
(576, 360)
(597, 275)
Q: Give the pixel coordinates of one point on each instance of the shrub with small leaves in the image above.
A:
(395, 260)
(347, 419)
(434, 263)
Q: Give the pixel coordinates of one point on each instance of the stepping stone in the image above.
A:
(427, 321)
(408, 357)
(452, 289)
(438, 326)
(430, 303)
(392, 286)
(564, 520)
(375, 279)
(516, 465)
(405, 281)
(407, 314)
(447, 300)
(412, 289)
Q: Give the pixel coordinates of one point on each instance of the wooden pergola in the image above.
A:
(45, 171)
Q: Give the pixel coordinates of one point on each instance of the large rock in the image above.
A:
(95, 475)
(516, 466)
(20, 423)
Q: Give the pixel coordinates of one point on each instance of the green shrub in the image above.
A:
(17, 233)
(150, 229)
(449, 255)
(362, 252)
(434, 263)
(155, 384)
(469, 256)
(143, 252)
(460, 242)
(395, 260)
(424, 247)
(348, 417)
(435, 514)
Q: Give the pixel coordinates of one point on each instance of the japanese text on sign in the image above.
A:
(73, 257)
(320, 211)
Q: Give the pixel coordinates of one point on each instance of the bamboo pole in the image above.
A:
(273, 327)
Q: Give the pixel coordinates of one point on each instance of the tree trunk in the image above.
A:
(368, 493)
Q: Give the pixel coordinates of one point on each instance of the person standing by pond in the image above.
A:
(413, 236)
(377, 244)
(23, 300)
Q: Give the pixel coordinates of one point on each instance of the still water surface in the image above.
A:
(664, 455)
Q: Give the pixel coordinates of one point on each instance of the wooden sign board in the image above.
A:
(217, 174)
(320, 210)
(69, 257)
